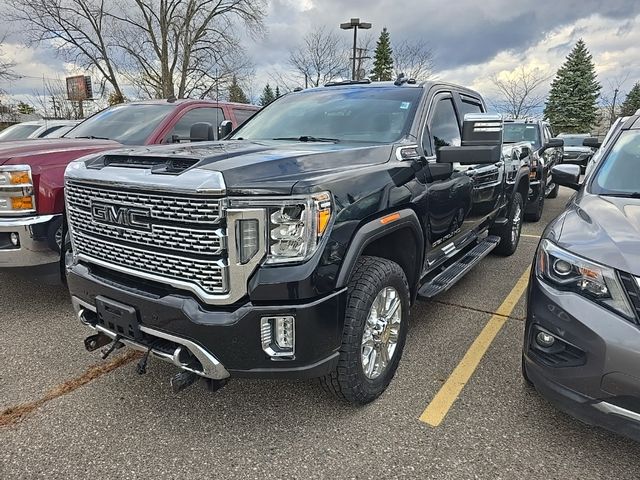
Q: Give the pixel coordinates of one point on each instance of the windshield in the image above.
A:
(127, 124)
(618, 174)
(522, 132)
(17, 132)
(573, 141)
(369, 114)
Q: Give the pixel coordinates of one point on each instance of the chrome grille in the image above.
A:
(184, 245)
(170, 207)
(204, 242)
(210, 276)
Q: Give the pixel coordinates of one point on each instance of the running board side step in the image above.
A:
(448, 278)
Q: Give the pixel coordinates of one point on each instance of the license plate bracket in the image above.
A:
(119, 318)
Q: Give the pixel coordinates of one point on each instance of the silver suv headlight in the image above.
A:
(569, 272)
(16, 190)
(295, 225)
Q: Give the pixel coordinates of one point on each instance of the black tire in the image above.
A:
(537, 215)
(554, 193)
(54, 235)
(348, 381)
(508, 240)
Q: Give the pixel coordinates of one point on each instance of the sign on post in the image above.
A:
(79, 88)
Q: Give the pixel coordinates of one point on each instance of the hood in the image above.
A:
(604, 229)
(271, 166)
(67, 147)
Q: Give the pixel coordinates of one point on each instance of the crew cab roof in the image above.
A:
(427, 85)
(188, 101)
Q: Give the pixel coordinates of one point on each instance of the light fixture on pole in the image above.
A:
(355, 24)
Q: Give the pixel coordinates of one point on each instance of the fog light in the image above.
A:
(545, 340)
(278, 336)
(15, 239)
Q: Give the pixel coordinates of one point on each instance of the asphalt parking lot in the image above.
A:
(65, 419)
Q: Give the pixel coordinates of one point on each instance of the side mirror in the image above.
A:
(225, 128)
(481, 141)
(593, 142)
(567, 176)
(201, 132)
(554, 143)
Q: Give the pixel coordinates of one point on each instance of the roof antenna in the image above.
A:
(171, 99)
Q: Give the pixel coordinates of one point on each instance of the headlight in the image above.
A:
(16, 190)
(569, 272)
(295, 225)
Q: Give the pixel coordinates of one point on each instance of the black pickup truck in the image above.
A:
(546, 153)
(296, 247)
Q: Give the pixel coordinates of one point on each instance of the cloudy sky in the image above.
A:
(471, 40)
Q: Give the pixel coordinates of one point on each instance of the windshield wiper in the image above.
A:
(622, 194)
(308, 138)
(93, 137)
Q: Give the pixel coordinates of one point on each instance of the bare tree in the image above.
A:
(6, 66)
(321, 58)
(77, 29)
(519, 94)
(611, 98)
(182, 47)
(52, 102)
(414, 59)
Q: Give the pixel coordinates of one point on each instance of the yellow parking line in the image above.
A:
(530, 236)
(447, 395)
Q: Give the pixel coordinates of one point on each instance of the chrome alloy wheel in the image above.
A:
(381, 332)
(515, 224)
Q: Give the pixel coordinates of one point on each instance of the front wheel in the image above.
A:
(509, 233)
(536, 215)
(374, 333)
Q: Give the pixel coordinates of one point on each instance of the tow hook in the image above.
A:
(94, 342)
(182, 380)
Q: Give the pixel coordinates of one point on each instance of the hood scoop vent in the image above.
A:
(159, 165)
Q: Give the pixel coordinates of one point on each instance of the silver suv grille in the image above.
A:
(184, 239)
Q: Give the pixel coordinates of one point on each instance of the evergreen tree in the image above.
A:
(236, 94)
(278, 94)
(632, 102)
(383, 58)
(267, 96)
(572, 104)
(25, 108)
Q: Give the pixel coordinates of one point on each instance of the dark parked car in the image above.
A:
(575, 152)
(547, 152)
(296, 247)
(582, 338)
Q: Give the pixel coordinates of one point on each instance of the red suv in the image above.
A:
(32, 172)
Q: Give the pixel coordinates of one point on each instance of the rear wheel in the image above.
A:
(509, 233)
(374, 333)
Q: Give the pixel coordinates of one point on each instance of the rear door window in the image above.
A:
(469, 106)
(242, 115)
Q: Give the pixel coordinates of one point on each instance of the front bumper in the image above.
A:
(230, 336)
(35, 245)
(592, 371)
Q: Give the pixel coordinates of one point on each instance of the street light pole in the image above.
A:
(354, 24)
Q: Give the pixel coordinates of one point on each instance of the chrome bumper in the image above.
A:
(211, 367)
(34, 247)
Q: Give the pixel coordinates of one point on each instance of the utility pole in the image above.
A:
(354, 24)
(613, 108)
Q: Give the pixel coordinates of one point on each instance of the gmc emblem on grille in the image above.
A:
(121, 215)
